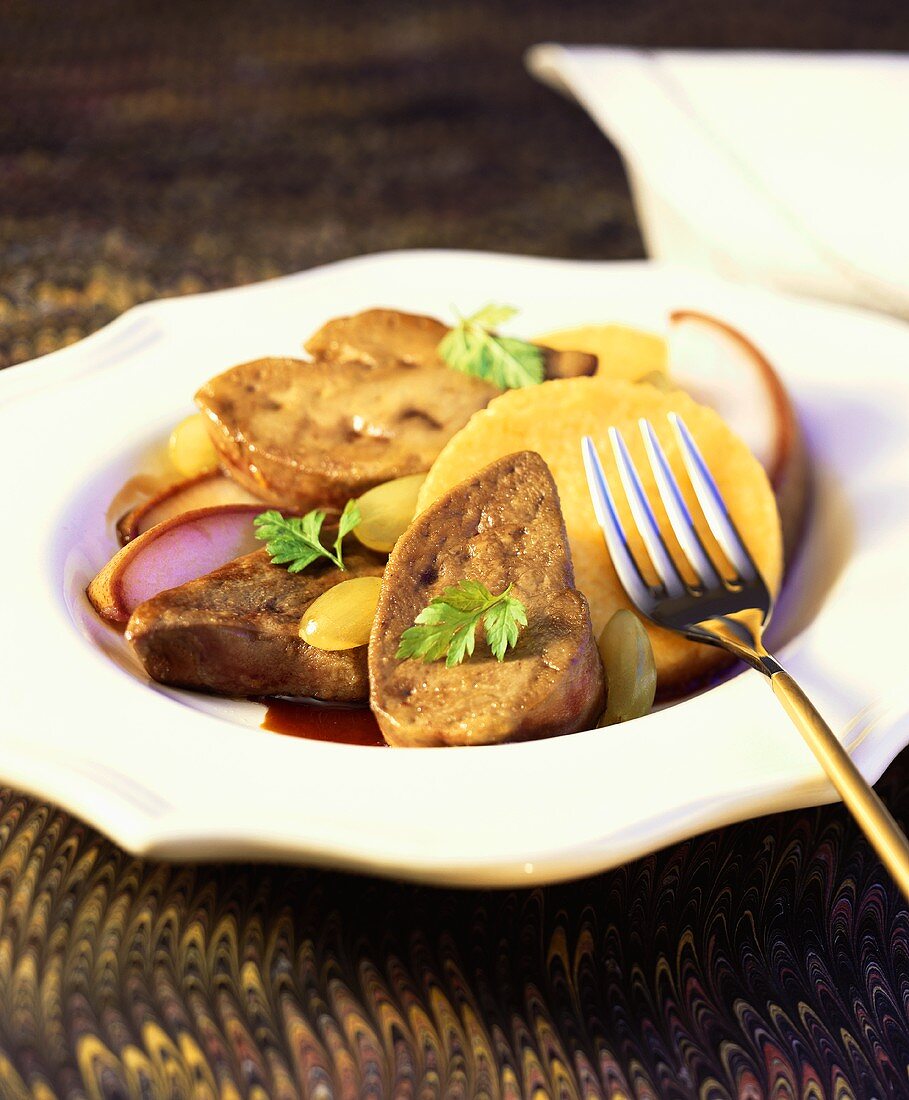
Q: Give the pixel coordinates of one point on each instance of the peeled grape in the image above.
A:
(386, 512)
(629, 666)
(342, 617)
(190, 447)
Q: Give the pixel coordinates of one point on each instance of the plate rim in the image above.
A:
(144, 833)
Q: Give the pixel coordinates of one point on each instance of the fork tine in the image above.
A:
(677, 509)
(608, 518)
(714, 507)
(646, 521)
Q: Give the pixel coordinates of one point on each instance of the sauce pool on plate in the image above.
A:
(322, 722)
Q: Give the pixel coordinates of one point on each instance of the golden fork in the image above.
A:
(727, 612)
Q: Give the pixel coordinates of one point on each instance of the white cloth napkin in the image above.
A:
(789, 169)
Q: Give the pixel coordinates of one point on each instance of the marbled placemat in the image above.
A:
(768, 959)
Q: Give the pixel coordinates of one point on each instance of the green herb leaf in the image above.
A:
(295, 541)
(473, 348)
(492, 315)
(350, 517)
(502, 622)
(447, 626)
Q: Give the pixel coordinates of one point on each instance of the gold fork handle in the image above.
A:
(873, 817)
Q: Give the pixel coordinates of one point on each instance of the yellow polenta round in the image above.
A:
(551, 419)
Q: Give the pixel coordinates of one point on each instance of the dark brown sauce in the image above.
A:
(322, 722)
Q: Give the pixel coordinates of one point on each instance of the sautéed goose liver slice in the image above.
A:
(235, 631)
(305, 435)
(377, 403)
(502, 526)
(379, 338)
(383, 337)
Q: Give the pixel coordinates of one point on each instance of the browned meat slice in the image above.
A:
(377, 403)
(379, 338)
(502, 526)
(382, 337)
(568, 364)
(304, 434)
(234, 631)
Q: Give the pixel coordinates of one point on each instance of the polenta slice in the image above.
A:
(621, 351)
(551, 419)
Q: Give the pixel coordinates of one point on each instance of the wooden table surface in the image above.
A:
(156, 149)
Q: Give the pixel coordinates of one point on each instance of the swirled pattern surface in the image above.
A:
(766, 960)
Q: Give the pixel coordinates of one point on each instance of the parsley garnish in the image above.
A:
(447, 626)
(295, 541)
(472, 347)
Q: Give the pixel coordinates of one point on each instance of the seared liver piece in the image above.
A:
(502, 526)
(376, 404)
(234, 631)
(379, 338)
(303, 435)
(382, 337)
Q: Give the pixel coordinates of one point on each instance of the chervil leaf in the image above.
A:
(461, 643)
(461, 350)
(350, 517)
(517, 363)
(490, 316)
(473, 348)
(295, 541)
(268, 524)
(447, 626)
(503, 621)
(467, 596)
(430, 635)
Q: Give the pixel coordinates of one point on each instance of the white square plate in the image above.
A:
(175, 775)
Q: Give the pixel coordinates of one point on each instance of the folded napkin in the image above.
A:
(789, 169)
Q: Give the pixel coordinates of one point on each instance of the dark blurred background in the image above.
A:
(162, 148)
